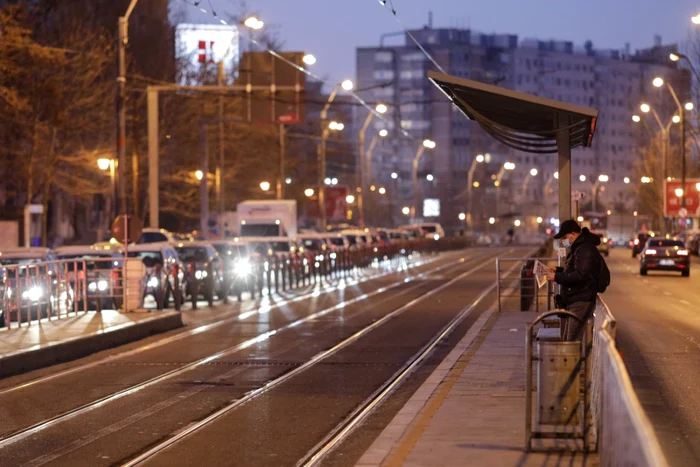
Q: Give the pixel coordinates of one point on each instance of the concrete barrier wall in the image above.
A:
(621, 430)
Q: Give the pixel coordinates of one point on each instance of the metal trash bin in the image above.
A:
(558, 379)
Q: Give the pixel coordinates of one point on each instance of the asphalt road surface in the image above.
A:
(281, 377)
(658, 332)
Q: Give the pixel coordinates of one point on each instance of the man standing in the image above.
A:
(579, 278)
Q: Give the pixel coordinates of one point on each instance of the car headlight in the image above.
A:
(436, 237)
(153, 282)
(200, 274)
(319, 257)
(33, 294)
(102, 286)
(333, 256)
(8, 292)
(92, 286)
(242, 268)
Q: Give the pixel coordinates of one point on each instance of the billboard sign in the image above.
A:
(200, 45)
(672, 202)
(335, 201)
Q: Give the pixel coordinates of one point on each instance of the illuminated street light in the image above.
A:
(492, 220)
(676, 119)
(674, 57)
(288, 181)
(646, 179)
(428, 143)
(696, 19)
(509, 166)
(349, 199)
(253, 23)
(476, 184)
(462, 216)
(336, 126)
(609, 212)
(309, 192)
(103, 164)
(579, 218)
(626, 180)
(645, 108)
(347, 85)
(406, 210)
(689, 106)
(309, 59)
(383, 133)
(327, 181)
(382, 191)
(381, 108)
(264, 186)
(517, 223)
(480, 158)
(679, 192)
(635, 213)
(556, 175)
(373, 188)
(199, 175)
(334, 181)
(394, 175)
(429, 177)
(603, 178)
(658, 82)
(533, 172)
(636, 118)
(539, 220)
(582, 178)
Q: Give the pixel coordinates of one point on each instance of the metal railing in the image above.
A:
(51, 290)
(620, 429)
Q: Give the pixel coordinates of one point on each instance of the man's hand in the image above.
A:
(550, 275)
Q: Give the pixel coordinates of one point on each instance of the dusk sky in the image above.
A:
(332, 29)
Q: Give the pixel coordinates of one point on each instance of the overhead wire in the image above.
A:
(392, 10)
(307, 72)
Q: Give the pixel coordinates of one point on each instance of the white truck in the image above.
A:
(263, 218)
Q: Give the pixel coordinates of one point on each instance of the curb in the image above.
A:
(64, 351)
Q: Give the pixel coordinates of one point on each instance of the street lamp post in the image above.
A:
(332, 126)
(498, 183)
(375, 139)
(594, 190)
(659, 82)
(123, 40)
(665, 134)
(380, 109)
(427, 144)
(470, 181)
(104, 165)
(533, 173)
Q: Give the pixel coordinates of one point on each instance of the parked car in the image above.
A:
(159, 260)
(149, 235)
(33, 280)
(605, 242)
(664, 255)
(240, 272)
(201, 259)
(97, 271)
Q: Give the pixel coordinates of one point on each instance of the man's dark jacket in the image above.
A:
(579, 278)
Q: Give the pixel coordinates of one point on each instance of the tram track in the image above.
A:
(11, 438)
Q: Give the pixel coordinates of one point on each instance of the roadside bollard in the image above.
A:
(177, 293)
(194, 285)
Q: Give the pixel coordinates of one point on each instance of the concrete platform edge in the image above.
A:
(394, 431)
(64, 351)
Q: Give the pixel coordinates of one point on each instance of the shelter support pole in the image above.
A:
(564, 163)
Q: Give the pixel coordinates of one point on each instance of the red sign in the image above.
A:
(672, 200)
(335, 201)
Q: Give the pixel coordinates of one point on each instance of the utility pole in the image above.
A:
(220, 165)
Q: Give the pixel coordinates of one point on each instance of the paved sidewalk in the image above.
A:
(471, 410)
(58, 340)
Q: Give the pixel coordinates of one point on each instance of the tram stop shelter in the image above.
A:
(525, 122)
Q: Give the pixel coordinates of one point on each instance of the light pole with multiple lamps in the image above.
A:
(332, 126)
(470, 185)
(380, 109)
(427, 144)
(659, 82)
(104, 165)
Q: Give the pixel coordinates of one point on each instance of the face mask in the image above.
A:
(566, 243)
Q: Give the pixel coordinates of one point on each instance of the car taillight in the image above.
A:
(610, 242)
(650, 252)
(682, 252)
